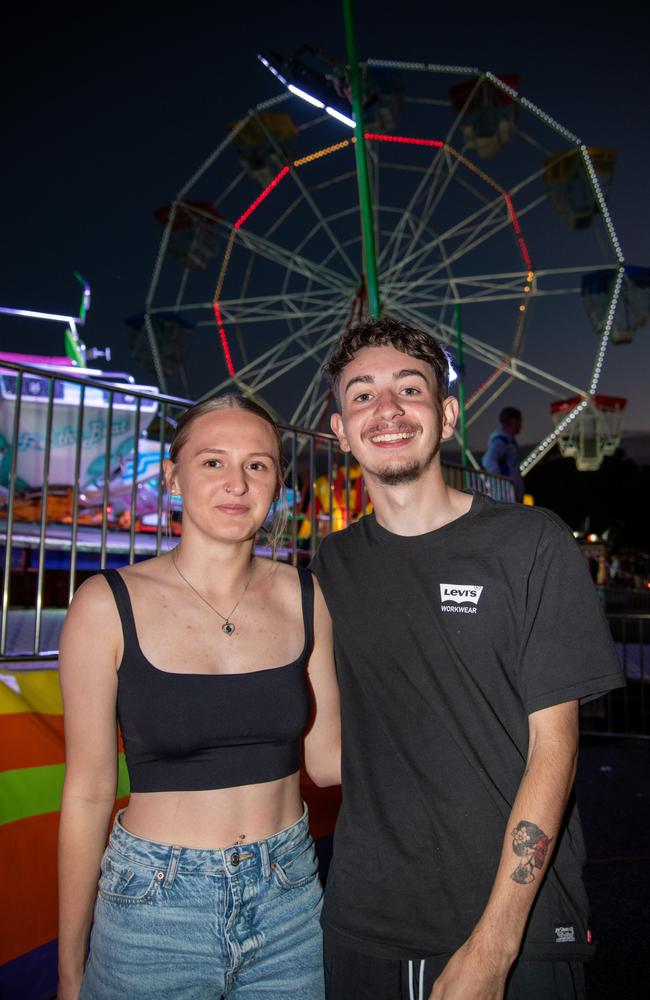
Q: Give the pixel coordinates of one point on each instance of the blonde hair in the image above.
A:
(231, 401)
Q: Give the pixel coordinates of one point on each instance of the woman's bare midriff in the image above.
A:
(216, 818)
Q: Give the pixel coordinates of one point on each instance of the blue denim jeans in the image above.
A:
(186, 924)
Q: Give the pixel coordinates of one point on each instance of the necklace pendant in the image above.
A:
(228, 628)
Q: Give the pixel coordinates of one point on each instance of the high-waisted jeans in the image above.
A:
(186, 924)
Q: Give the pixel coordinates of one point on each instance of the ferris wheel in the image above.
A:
(487, 214)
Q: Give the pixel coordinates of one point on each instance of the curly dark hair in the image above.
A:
(387, 332)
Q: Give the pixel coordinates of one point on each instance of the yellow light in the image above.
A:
(526, 288)
(522, 309)
(531, 275)
(592, 538)
(321, 152)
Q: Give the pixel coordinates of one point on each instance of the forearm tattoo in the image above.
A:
(530, 844)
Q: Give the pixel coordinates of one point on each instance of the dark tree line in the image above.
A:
(615, 499)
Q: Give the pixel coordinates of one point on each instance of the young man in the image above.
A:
(502, 455)
(466, 631)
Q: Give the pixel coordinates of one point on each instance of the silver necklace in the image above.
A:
(228, 626)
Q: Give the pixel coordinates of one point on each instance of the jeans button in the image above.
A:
(234, 858)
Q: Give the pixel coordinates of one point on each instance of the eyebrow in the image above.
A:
(370, 379)
(223, 451)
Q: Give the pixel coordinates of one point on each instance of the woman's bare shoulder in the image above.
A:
(149, 570)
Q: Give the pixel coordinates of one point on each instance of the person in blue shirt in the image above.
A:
(502, 455)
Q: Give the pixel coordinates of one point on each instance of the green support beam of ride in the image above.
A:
(365, 202)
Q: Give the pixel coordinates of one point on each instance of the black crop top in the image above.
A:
(188, 732)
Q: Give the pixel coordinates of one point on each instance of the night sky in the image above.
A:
(106, 118)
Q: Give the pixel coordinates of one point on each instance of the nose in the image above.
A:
(389, 405)
(236, 482)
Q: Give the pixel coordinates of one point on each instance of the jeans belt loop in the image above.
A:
(266, 861)
(173, 867)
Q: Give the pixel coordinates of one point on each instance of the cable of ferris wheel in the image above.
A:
(489, 355)
(308, 199)
(456, 255)
(316, 350)
(252, 366)
(300, 265)
(447, 151)
(433, 175)
(476, 413)
(274, 353)
(271, 251)
(408, 286)
(425, 179)
(492, 208)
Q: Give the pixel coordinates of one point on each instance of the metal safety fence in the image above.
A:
(626, 711)
(81, 489)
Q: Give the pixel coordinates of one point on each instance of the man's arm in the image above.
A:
(478, 970)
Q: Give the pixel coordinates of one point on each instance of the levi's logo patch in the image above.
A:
(564, 933)
(455, 597)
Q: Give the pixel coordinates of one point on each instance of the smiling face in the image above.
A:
(227, 472)
(391, 417)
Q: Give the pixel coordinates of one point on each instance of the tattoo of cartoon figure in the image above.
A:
(530, 844)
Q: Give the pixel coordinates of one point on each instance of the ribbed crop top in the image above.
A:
(188, 732)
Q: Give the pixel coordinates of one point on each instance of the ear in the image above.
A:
(336, 423)
(169, 471)
(450, 411)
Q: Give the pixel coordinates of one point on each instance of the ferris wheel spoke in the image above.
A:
(432, 179)
(266, 358)
(264, 308)
(297, 180)
(286, 258)
(485, 212)
(442, 153)
(455, 256)
(517, 367)
(299, 360)
(311, 404)
(497, 390)
(434, 292)
(274, 356)
(433, 200)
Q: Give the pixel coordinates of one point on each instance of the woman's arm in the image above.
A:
(90, 644)
(323, 740)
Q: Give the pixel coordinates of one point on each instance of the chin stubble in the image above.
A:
(408, 472)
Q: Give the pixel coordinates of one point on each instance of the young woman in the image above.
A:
(215, 662)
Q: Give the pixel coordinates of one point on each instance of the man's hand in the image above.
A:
(472, 973)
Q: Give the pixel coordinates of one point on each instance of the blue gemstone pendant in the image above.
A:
(228, 628)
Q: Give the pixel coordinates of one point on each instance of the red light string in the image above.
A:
(224, 340)
(374, 137)
(260, 198)
(407, 140)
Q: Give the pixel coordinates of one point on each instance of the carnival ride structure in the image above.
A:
(490, 222)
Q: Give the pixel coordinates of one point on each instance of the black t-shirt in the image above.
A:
(445, 642)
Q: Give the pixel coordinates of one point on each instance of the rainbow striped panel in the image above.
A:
(32, 768)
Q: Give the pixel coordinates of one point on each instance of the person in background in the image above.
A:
(502, 455)
(466, 632)
(215, 662)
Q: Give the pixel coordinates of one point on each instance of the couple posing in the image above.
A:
(465, 634)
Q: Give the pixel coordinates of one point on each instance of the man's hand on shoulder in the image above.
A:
(473, 972)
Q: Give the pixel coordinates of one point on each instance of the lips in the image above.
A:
(232, 508)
